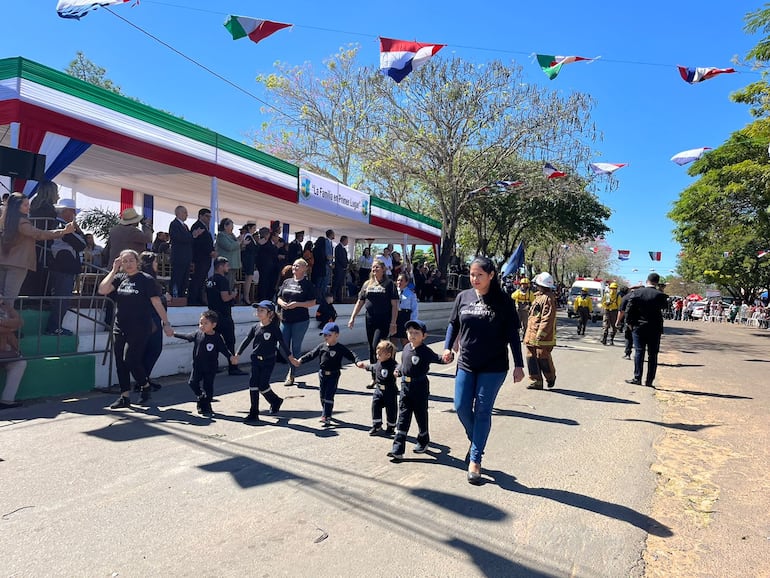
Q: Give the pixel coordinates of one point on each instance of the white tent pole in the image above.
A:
(214, 206)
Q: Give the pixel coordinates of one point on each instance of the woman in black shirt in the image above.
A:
(295, 296)
(136, 295)
(486, 322)
(380, 297)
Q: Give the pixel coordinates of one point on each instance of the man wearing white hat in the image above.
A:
(64, 266)
(126, 235)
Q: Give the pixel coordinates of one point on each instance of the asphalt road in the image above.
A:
(569, 484)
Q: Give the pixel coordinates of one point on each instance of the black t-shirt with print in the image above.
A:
(300, 291)
(214, 287)
(383, 373)
(331, 356)
(206, 349)
(132, 295)
(415, 362)
(266, 339)
(378, 300)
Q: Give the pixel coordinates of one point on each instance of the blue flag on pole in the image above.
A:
(515, 261)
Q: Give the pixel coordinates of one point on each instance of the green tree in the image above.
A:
(84, 69)
(428, 142)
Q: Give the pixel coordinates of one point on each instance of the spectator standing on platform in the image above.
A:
(249, 250)
(10, 354)
(17, 244)
(296, 247)
(203, 253)
(64, 267)
(295, 297)
(364, 266)
(161, 244)
(307, 255)
(43, 216)
(221, 300)
(341, 262)
(181, 252)
(136, 295)
(126, 235)
(380, 299)
(227, 246)
(323, 255)
(93, 253)
(267, 265)
(387, 260)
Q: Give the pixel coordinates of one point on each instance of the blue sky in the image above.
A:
(645, 111)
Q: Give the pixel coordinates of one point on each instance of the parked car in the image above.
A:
(697, 309)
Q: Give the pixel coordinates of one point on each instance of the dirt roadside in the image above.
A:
(713, 459)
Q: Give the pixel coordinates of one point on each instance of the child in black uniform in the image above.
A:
(332, 355)
(208, 345)
(266, 336)
(326, 312)
(386, 391)
(416, 358)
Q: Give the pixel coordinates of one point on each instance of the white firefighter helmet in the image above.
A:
(544, 280)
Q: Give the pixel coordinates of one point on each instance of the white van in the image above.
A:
(596, 289)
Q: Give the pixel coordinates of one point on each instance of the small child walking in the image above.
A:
(332, 355)
(416, 358)
(385, 389)
(268, 339)
(326, 313)
(208, 344)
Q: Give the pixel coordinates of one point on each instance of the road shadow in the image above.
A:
(468, 507)
(679, 330)
(680, 365)
(575, 500)
(248, 472)
(533, 416)
(705, 393)
(679, 426)
(589, 396)
(758, 360)
(491, 564)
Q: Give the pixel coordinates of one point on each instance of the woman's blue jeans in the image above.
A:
(293, 334)
(475, 395)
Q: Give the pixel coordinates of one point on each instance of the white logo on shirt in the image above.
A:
(415, 359)
(266, 335)
(384, 372)
(332, 353)
(209, 347)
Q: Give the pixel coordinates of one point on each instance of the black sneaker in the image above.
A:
(252, 418)
(121, 402)
(275, 407)
(395, 457)
(390, 431)
(206, 410)
(420, 448)
(370, 386)
(144, 395)
(375, 430)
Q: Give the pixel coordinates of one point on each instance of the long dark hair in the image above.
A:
(487, 265)
(146, 259)
(11, 217)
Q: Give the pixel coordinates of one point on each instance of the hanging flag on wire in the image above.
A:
(243, 26)
(594, 250)
(508, 184)
(606, 168)
(550, 172)
(693, 75)
(79, 8)
(624, 255)
(689, 156)
(400, 57)
(551, 65)
(515, 261)
(761, 254)
(655, 255)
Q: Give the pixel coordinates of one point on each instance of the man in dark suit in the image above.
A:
(644, 314)
(295, 249)
(202, 254)
(341, 262)
(181, 252)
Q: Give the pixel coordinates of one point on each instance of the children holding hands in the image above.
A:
(385, 389)
(331, 354)
(267, 338)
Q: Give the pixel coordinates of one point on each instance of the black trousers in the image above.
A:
(207, 377)
(129, 358)
(180, 277)
(226, 328)
(376, 330)
(648, 339)
(198, 281)
(385, 398)
(413, 402)
(259, 382)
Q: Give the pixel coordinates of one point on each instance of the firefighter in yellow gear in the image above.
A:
(583, 306)
(523, 298)
(611, 303)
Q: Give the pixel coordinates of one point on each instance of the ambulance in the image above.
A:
(596, 289)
